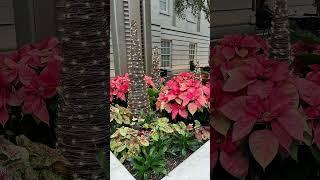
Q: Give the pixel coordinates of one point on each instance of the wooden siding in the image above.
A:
(7, 26)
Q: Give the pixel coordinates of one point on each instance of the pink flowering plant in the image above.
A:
(119, 88)
(29, 79)
(257, 102)
(183, 96)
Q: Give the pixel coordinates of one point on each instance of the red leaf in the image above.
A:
(238, 79)
(284, 138)
(264, 147)
(228, 52)
(242, 128)
(260, 88)
(192, 107)
(183, 113)
(42, 112)
(235, 164)
(280, 72)
(214, 159)
(235, 109)
(317, 136)
(309, 91)
(292, 122)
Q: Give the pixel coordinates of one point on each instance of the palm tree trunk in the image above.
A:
(82, 126)
(280, 35)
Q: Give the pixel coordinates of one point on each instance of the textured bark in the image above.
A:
(82, 128)
(280, 35)
(156, 67)
(138, 100)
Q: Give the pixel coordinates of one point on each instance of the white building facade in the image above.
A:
(180, 40)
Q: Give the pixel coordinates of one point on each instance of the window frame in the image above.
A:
(162, 54)
(192, 51)
(166, 12)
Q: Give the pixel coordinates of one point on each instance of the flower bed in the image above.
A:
(264, 115)
(154, 144)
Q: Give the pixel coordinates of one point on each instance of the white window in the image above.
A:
(166, 54)
(164, 6)
(192, 51)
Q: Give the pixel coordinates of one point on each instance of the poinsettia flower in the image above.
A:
(233, 49)
(41, 88)
(119, 86)
(261, 71)
(280, 109)
(183, 94)
(20, 70)
(231, 158)
(149, 81)
(39, 54)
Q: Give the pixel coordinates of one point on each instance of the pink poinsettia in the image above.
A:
(17, 69)
(183, 94)
(280, 110)
(259, 73)
(39, 54)
(232, 49)
(41, 88)
(231, 158)
(119, 86)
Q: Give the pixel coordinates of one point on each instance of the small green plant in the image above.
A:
(183, 140)
(126, 143)
(153, 96)
(150, 162)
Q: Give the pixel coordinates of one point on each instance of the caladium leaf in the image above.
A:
(264, 147)
(235, 164)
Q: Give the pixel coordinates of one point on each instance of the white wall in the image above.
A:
(181, 34)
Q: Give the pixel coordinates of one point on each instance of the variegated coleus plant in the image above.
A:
(127, 142)
(250, 89)
(27, 160)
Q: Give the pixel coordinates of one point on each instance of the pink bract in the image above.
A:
(183, 94)
(119, 86)
(32, 75)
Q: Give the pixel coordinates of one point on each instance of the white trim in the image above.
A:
(165, 12)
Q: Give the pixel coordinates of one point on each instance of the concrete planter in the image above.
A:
(196, 166)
